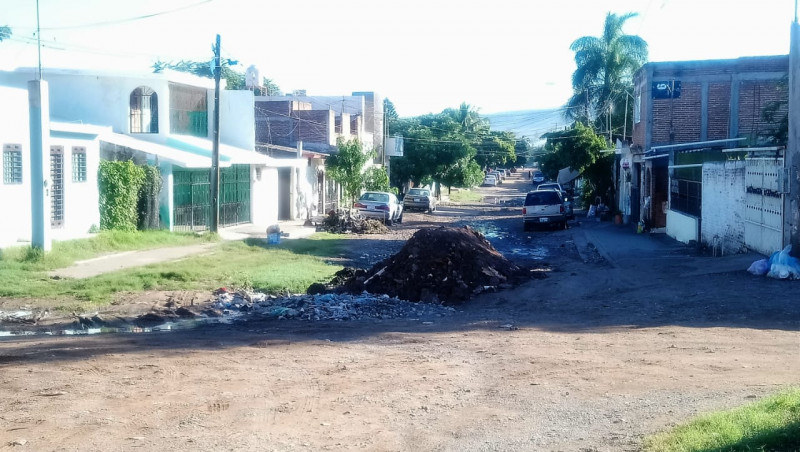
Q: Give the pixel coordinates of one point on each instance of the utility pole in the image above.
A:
(215, 148)
(791, 207)
(625, 121)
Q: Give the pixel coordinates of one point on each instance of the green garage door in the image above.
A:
(192, 197)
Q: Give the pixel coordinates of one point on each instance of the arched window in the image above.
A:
(144, 110)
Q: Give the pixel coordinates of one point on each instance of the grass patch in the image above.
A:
(65, 253)
(291, 267)
(465, 196)
(771, 424)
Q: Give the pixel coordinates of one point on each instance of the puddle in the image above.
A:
(165, 327)
(536, 252)
(489, 230)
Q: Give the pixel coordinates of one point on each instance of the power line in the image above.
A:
(124, 20)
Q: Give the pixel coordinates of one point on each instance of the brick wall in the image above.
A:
(723, 205)
(679, 120)
(315, 126)
(753, 97)
(719, 110)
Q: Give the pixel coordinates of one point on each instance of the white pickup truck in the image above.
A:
(544, 207)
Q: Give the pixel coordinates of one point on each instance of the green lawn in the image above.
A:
(292, 266)
(465, 196)
(771, 424)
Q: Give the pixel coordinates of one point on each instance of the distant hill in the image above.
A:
(528, 123)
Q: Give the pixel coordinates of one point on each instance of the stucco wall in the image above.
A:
(15, 199)
(682, 227)
(264, 195)
(81, 199)
(723, 206)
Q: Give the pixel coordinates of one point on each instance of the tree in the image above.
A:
(579, 148)
(234, 80)
(604, 72)
(390, 116)
(5, 33)
(376, 179)
(347, 165)
(776, 113)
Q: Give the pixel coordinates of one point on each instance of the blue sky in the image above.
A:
(498, 55)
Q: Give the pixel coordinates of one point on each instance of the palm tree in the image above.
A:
(605, 67)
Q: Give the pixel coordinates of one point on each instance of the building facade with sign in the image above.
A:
(688, 113)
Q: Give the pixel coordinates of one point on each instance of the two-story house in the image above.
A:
(690, 116)
(162, 119)
(305, 129)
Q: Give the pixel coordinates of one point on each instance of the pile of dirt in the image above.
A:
(446, 265)
(343, 221)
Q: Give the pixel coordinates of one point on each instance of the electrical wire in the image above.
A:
(120, 21)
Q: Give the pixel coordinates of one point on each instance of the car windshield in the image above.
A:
(539, 198)
(375, 197)
(549, 187)
(419, 192)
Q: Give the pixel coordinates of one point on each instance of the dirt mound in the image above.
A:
(444, 264)
(339, 222)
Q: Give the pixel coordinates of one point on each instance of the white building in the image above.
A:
(74, 158)
(162, 119)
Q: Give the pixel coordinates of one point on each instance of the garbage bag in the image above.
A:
(759, 267)
(783, 265)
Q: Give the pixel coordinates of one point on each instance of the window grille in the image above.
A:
(56, 186)
(12, 164)
(78, 164)
(144, 110)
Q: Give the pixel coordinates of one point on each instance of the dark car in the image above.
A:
(420, 199)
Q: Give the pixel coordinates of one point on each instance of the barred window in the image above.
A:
(143, 110)
(12, 164)
(78, 164)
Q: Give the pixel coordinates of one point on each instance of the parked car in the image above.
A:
(567, 200)
(381, 206)
(419, 198)
(497, 176)
(544, 207)
(538, 177)
(489, 181)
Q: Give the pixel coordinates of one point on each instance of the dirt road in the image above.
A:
(590, 358)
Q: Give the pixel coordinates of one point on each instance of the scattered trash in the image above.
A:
(759, 267)
(781, 265)
(326, 306)
(344, 221)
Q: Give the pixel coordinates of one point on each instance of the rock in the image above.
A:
(185, 313)
(150, 319)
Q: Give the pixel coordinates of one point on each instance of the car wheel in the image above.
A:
(526, 227)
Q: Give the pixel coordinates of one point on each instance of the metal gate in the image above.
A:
(764, 192)
(192, 198)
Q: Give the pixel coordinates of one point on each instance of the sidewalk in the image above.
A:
(623, 248)
(129, 259)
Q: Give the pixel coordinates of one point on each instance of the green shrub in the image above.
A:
(119, 194)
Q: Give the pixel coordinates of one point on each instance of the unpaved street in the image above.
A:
(592, 357)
